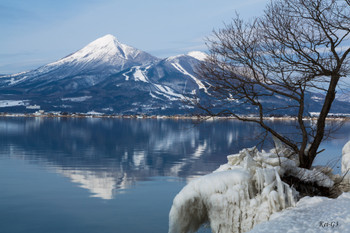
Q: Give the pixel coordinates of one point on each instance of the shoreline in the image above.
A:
(178, 117)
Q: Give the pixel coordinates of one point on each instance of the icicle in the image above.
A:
(345, 162)
(237, 196)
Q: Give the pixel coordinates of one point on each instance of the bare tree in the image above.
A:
(296, 47)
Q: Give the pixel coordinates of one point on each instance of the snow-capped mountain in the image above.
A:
(159, 88)
(105, 51)
(89, 65)
(110, 77)
(106, 76)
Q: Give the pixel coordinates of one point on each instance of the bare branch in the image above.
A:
(296, 48)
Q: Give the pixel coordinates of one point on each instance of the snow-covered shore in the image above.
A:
(247, 193)
(312, 215)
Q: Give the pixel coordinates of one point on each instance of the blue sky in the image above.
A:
(37, 32)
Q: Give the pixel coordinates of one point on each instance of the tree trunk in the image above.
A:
(321, 122)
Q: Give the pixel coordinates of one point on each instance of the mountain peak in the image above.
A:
(109, 51)
(105, 40)
(198, 55)
(108, 37)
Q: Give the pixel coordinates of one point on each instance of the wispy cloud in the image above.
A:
(11, 14)
(163, 28)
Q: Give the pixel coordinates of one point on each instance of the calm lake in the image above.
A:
(97, 175)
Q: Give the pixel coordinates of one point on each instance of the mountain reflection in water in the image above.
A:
(108, 156)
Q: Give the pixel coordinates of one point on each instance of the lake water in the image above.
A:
(95, 175)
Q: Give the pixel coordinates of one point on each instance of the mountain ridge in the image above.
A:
(110, 77)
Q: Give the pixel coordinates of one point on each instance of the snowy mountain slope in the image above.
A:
(89, 65)
(107, 76)
(161, 87)
(110, 77)
(107, 50)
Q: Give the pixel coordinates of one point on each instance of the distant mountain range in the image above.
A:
(109, 77)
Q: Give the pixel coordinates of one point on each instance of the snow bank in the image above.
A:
(248, 190)
(345, 162)
(311, 214)
(238, 195)
(315, 214)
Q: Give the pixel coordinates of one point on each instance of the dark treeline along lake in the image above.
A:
(95, 175)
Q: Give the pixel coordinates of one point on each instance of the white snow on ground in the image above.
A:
(316, 114)
(11, 103)
(312, 215)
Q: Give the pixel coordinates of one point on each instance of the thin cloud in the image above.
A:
(10, 14)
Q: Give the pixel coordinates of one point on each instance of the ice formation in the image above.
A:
(345, 163)
(246, 190)
(238, 195)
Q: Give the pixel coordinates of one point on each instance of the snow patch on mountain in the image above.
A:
(168, 92)
(13, 75)
(317, 98)
(77, 99)
(345, 97)
(182, 70)
(12, 103)
(139, 75)
(12, 81)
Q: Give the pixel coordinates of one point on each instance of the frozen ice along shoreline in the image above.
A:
(248, 190)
